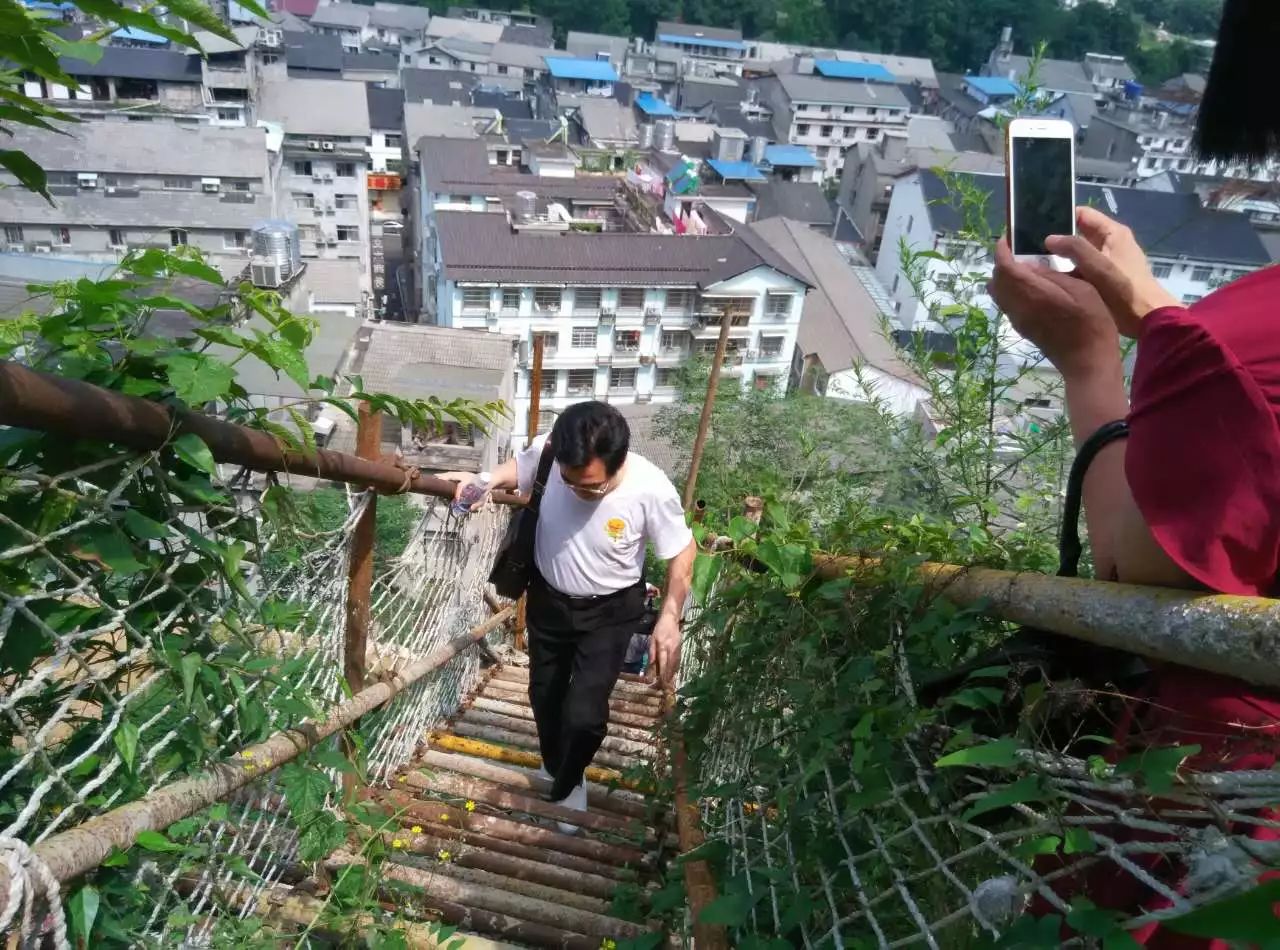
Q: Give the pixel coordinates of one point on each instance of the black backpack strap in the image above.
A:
(1069, 547)
(544, 472)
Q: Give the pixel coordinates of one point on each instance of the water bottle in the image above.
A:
(472, 492)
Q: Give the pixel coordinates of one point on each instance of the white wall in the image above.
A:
(900, 396)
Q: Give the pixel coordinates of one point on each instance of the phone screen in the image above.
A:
(1043, 192)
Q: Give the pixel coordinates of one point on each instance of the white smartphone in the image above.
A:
(1040, 172)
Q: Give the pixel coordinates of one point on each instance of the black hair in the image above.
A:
(591, 430)
(1240, 114)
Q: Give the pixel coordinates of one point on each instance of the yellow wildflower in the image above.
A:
(443, 855)
(444, 816)
(416, 829)
(607, 944)
(403, 778)
(470, 806)
(397, 843)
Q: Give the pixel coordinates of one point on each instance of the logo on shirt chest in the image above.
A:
(615, 528)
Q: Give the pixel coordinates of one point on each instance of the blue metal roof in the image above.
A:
(592, 70)
(136, 35)
(839, 69)
(993, 85)
(701, 41)
(650, 104)
(736, 171)
(794, 156)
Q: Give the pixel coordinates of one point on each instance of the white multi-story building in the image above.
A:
(828, 106)
(319, 172)
(618, 313)
(382, 24)
(1192, 249)
(706, 50)
(115, 188)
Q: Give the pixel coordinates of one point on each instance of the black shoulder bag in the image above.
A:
(513, 566)
(1033, 655)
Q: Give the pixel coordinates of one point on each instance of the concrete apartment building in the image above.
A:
(383, 25)
(319, 171)
(485, 174)
(130, 84)
(619, 313)
(1191, 249)
(828, 106)
(116, 188)
(703, 49)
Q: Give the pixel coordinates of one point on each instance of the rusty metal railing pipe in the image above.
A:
(80, 410)
(1235, 636)
(71, 853)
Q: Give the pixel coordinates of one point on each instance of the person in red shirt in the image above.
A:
(1192, 499)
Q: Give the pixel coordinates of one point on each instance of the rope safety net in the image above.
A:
(154, 620)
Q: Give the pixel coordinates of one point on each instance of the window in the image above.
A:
(302, 168)
(666, 377)
(61, 235)
(475, 298)
(586, 298)
(1201, 273)
(229, 115)
(549, 381)
(345, 202)
(547, 298)
(116, 237)
(826, 131)
(304, 199)
(626, 341)
(391, 140)
(511, 299)
(235, 239)
(546, 419)
(622, 379)
(678, 300)
(395, 166)
(1189, 299)
(240, 186)
(763, 382)
(177, 184)
(778, 305)
(177, 237)
(674, 341)
(894, 288)
(500, 156)
(549, 342)
(802, 129)
(1161, 270)
(631, 298)
(582, 382)
(346, 170)
(502, 70)
(771, 345)
(348, 232)
(308, 232)
(13, 234)
(584, 338)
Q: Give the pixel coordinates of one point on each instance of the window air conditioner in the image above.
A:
(313, 144)
(327, 146)
(265, 273)
(87, 179)
(211, 185)
(43, 249)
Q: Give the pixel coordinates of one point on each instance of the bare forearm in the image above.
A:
(1093, 401)
(679, 580)
(505, 475)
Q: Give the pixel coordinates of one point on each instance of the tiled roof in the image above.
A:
(316, 106)
(802, 88)
(418, 362)
(386, 108)
(689, 32)
(312, 51)
(483, 247)
(130, 63)
(797, 200)
(1165, 224)
(444, 87)
(166, 149)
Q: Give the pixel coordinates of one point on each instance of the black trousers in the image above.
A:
(576, 649)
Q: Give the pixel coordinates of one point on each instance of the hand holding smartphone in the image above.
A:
(1040, 177)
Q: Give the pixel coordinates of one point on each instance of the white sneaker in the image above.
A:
(577, 800)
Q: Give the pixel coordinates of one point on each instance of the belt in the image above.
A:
(584, 600)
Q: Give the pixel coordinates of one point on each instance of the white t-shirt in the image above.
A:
(587, 548)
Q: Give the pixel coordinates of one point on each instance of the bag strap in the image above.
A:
(1069, 547)
(544, 472)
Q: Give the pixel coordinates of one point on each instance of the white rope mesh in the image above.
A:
(836, 853)
(98, 704)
